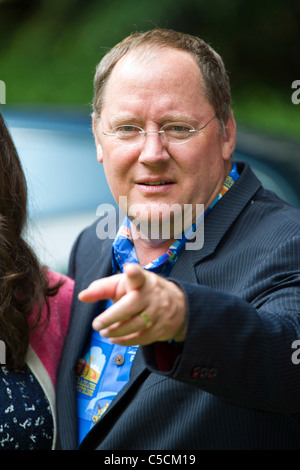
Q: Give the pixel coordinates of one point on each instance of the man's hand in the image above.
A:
(147, 308)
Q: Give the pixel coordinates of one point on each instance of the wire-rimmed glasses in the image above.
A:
(173, 132)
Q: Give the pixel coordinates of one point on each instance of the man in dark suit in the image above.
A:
(180, 338)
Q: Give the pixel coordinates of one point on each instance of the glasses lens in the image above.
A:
(177, 132)
(127, 132)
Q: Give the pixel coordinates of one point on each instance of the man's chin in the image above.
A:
(156, 221)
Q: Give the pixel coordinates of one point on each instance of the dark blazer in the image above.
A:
(233, 384)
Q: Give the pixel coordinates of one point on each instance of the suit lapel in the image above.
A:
(219, 220)
(216, 224)
(184, 269)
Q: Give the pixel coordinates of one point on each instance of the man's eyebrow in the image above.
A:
(178, 117)
(124, 119)
(166, 118)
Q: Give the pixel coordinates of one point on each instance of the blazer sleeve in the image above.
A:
(242, 350)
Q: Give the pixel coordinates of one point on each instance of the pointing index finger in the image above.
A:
(135, 276)
(101, 289)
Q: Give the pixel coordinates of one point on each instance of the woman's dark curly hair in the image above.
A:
(23, 281)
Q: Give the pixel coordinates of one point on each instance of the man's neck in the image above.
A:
(148, 250)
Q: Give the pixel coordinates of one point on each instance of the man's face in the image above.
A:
(150, 91)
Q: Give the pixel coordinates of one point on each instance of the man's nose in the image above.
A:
(154, 148)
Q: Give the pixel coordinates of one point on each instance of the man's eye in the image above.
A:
(178, 128)
(126, 131)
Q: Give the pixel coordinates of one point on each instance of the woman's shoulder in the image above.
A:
(60, 304)
(55, 277)
(47, 340)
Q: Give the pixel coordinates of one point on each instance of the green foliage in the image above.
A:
(49, 48)
(268, 110)
(52, 55)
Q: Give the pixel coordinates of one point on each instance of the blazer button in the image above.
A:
(195, 372)
(119, 360)
(204, 373)
(212, 373)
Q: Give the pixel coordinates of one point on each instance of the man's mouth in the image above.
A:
(155, 183)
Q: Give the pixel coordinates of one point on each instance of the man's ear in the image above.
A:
(229, 137)
(97, 142)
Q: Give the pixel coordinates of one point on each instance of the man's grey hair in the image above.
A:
(214, 77)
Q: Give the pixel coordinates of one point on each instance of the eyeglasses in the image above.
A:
(173, 133)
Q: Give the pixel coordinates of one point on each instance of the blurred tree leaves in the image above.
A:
(50, 53)
(49, 48)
